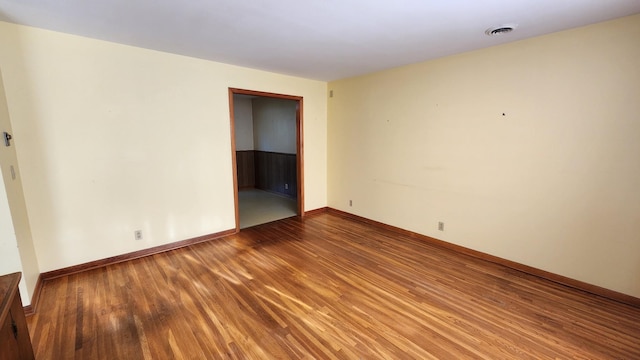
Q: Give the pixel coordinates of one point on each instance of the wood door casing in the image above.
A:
(299, 164)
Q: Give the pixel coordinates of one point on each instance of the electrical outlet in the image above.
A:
(440, 226)
(286, 186)
(350, 202)
(137, 234)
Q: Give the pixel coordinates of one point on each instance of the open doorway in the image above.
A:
(266, 140)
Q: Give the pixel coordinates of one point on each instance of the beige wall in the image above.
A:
(16, 244)
(274, 125)
(9, 255)
(552, 183)
(112, 139)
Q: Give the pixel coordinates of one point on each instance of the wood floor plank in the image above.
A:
(323, 288)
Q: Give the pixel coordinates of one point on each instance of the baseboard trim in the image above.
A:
(132, 255)
(49, 275)
(31, 309)
(274, 192)
(317, 211)
(560, 279)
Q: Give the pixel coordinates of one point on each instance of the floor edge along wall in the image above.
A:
(593, 289)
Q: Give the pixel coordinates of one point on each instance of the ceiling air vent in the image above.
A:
(500, 30)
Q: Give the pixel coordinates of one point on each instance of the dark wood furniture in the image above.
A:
(15, 342)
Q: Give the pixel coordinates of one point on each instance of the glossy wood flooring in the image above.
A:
(325, 288)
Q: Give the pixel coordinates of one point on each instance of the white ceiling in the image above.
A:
(317, 39)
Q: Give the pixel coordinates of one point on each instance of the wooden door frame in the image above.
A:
(299, 147)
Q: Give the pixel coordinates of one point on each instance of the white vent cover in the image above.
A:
(501, 30)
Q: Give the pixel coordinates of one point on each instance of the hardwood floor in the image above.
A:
(328, 287)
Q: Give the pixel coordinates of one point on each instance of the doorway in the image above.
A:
(267, 156)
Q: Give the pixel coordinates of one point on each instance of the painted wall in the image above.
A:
(16, 244)
(274, 124)
(115, 138)
(9, 255)
(243, 121)
(528, 151)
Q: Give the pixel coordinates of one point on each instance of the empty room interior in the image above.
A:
(266, 152)
(368, 180)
